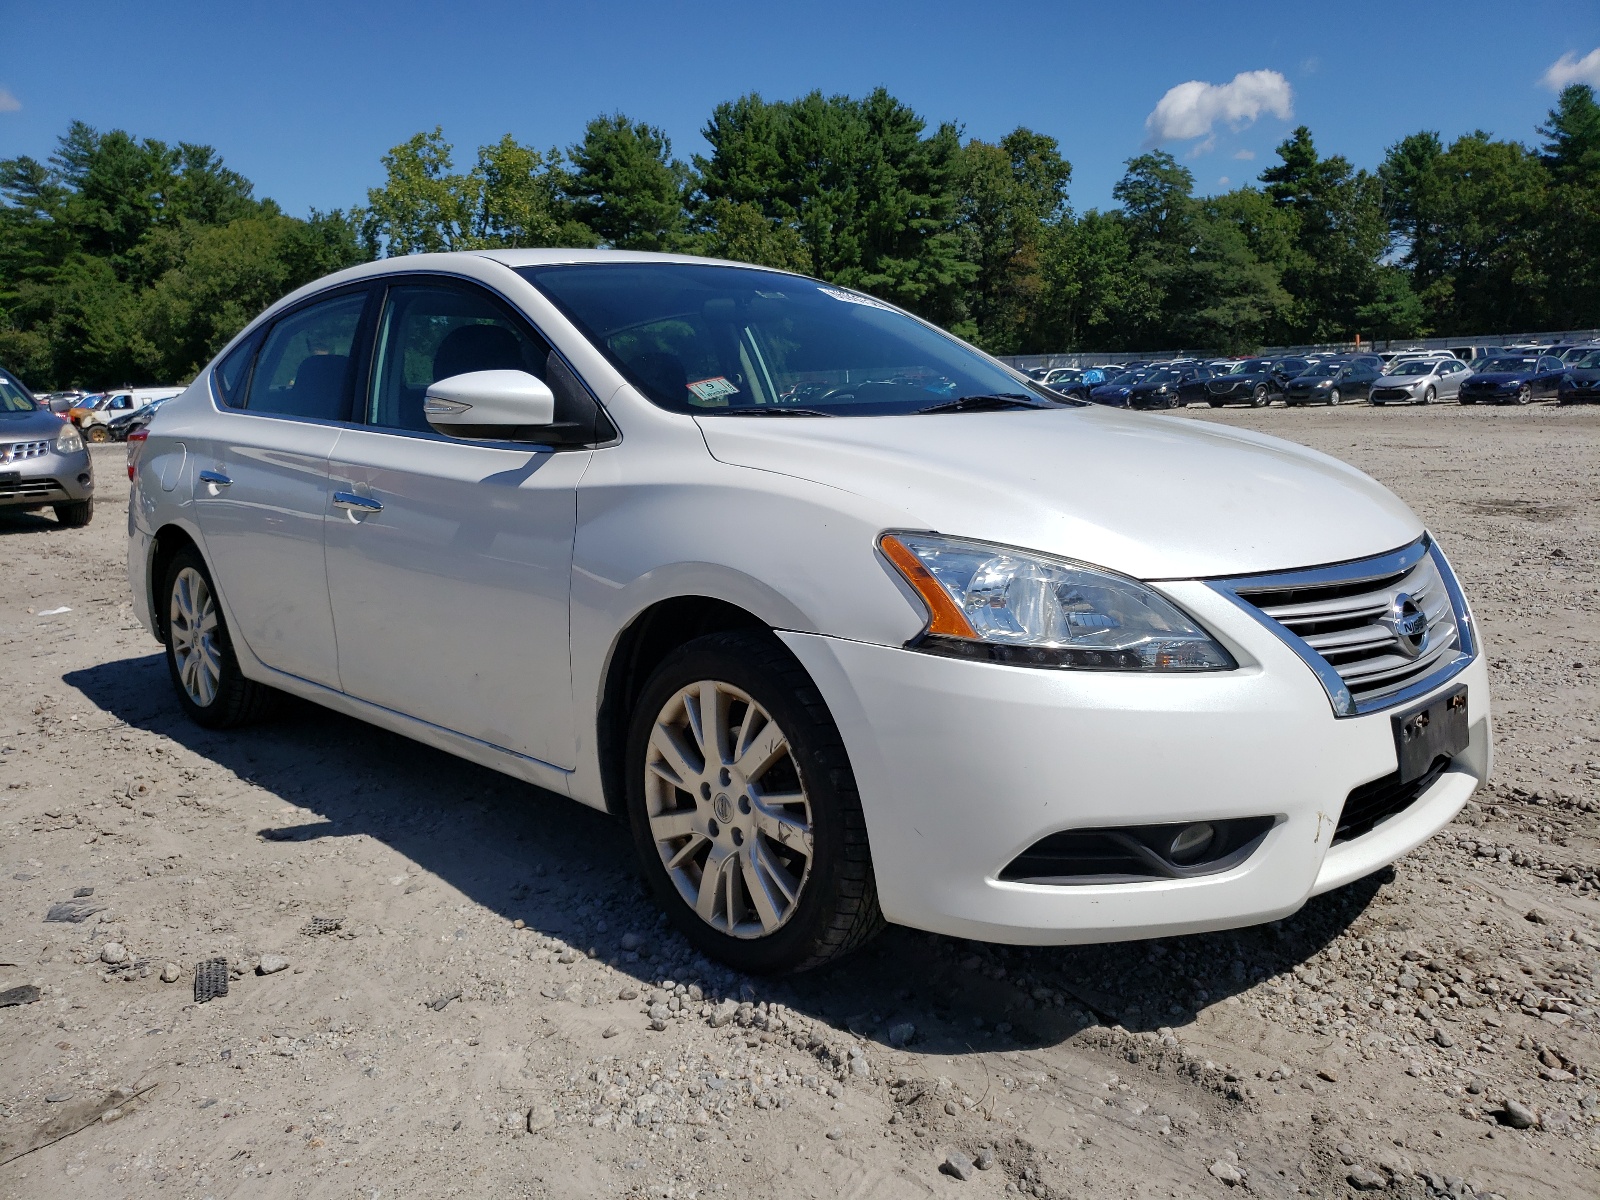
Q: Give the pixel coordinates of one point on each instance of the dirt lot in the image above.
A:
(479, 1023)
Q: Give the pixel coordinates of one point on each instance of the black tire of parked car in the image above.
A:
(74, 514)
(238, 701)
(1524, 394)
(838, 911)
(1465, 400)
(1215, 403)
(1260, 398)
(1333, 397)
(1428, 396)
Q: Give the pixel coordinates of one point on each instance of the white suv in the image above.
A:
(850, 622)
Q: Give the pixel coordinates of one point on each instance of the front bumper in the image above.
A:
(52, 478)
(964, 765)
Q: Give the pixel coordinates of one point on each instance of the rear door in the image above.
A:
(261, 488)
(449, 561)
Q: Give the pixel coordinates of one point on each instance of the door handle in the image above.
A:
(215, 479)
(355, 503)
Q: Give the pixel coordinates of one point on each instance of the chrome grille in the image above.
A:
(17, 451)
(40, 487)
(1348, 623)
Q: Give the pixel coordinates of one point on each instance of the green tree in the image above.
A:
(873, 197)
(1570, 233)
(626, 186)
(1010, 193)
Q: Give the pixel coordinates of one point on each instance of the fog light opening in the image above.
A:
(1191, 842)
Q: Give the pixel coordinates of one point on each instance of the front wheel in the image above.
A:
(75, 514)
(200, 658)
(98, 434)
(1333, 397)
(744, 810)
(1259, 398)
(1215, 403)
(1428, 396)
(1524, 394)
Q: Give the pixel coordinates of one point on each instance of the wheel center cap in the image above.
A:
(723, 807)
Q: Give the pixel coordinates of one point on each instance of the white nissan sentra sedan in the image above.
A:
(849, 621)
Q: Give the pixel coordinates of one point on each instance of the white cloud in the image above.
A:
(1224, 181)
(1244, 155)
(8, 102)
(1192, 109)
(1570, 69)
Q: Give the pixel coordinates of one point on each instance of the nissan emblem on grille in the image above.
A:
(1410, 625)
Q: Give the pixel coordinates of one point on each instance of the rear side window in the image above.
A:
(233, 372)
(305, 368)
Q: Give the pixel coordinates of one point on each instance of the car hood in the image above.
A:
(1252, 379)
(1501, 377)
(1152, 497)
(1319, 381)
(42, 423)
(1403, 380)
(1585, 375)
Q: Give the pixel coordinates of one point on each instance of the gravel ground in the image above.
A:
(442, 982)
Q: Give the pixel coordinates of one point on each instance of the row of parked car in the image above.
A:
(1569, 374)
(108, 416)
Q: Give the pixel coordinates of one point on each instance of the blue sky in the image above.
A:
(303, 98)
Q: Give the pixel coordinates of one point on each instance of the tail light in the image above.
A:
(136, 441)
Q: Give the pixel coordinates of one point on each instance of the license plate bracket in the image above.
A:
(10, 480)
(1422, 734)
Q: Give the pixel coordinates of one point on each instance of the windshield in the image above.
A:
(1589, 362)
(14, 397)
(717, 340)
(1252, 366)
(1509, 364)
(1322, 371)
(1415, 367)
(1156, 378)
(1126, 378)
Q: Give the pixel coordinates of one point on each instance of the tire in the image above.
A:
(1260, 397)
(98, 434)
(815, 908)
(1524, 394)
(1333, 397)
(75, 514)
(216, 694)
(1465, 400)
(1215, 403)
(1428, 396)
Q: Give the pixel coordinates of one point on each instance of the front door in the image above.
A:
(449, 561)
(261, 486)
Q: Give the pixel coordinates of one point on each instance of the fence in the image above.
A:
(1093, 358)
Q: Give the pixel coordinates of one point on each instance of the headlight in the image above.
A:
(68, 441)
(1004, 605)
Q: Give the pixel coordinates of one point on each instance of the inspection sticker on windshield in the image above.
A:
(855, 298)
(713, 389)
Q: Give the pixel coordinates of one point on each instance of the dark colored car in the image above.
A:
(123, 424)
(1114, 392)
(1171, 387)
(1334, 381)
(1514, 380)
(1577, 353)
(1580, 384)
(1255, 381)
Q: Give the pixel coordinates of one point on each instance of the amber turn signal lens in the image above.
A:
(944, 616)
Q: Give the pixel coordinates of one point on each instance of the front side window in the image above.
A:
(716, 340)
(432, 331)
(305, 365)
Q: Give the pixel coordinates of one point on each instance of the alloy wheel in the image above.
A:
(192, 620)
(1524, 394)
(727, 809)
(1427, 396)
(1333, 397)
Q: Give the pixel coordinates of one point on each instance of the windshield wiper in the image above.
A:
(764, 412)
(994, 403)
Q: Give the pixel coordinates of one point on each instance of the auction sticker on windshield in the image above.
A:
(855, 298)
(713, 389)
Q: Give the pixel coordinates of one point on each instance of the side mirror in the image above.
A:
(505, 406)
